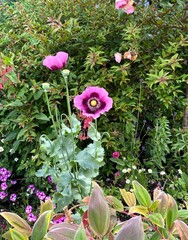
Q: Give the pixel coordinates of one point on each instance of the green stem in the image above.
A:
(49, 110)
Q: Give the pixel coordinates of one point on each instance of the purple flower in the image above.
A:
(4, 186)
(13, 197)
(56, 62)
(59, 220)
(49, 179)
(116, 154)
(31, 217)
(8, 174)
(93, 102)
(40, 195)
(31, 188)
(3, 171)
(13, 182)
(3, 195)
(28, 209)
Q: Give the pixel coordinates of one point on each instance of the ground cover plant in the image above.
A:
(137, 54)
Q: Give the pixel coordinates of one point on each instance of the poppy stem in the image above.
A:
(49, 110)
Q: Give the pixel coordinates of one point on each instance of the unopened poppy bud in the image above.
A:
(65, 73)
(46, 86)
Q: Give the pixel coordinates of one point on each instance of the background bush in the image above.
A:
(148, 124)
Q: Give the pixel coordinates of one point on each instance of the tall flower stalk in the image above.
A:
(72, 169)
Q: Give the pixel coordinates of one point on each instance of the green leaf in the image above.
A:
(98, 212)
(128, 197)
(80, 233)
(115, 203)
(154, 205)
(172, 212)
(41, 225)
(139, 209)
(182, 214)
(157, 219)
(141, 194)
(38, 94)
(17, 222)
(16, 235)
(42, 116)
(131, 230)
(45, 206)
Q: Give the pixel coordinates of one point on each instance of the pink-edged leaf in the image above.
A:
(182, 229)
(131, 230)
(62, 231)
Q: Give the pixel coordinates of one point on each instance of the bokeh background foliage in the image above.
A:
(148, 123)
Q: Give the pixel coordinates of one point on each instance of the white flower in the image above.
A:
(134, 167)
(162, 173)
(150, 170)
(1, 149)
(143, 169)
(11, 151)
(128, 170)
(2, 140)
(180, 171)
(16, 159)
(124, 170)
(139, 170)
(128, 181)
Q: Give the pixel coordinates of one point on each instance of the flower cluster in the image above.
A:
(125, 5)
(30, 216)
(4, 184)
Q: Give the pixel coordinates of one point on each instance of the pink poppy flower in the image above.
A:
(56, 62)
(118, 57)
(93, 102)
(119, 4)
(116, 154)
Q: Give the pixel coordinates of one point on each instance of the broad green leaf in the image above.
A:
(80, 233)
(139, 209)
(157, 219)
(172, 212)
(98, 212)
(182, 214)
(115, 203)
(131, 230)
(141, 194)
(155, 236)
(41, 225)
(17, 222)
(128, 197)
(182, 229)
(62, 231)
(16, 235)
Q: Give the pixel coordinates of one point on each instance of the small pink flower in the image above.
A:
(116, 154)
(1, 86)
(118, 57)
(56, 62)
(31, 217)
(93, 102)
(120, 4)
(117, 174)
